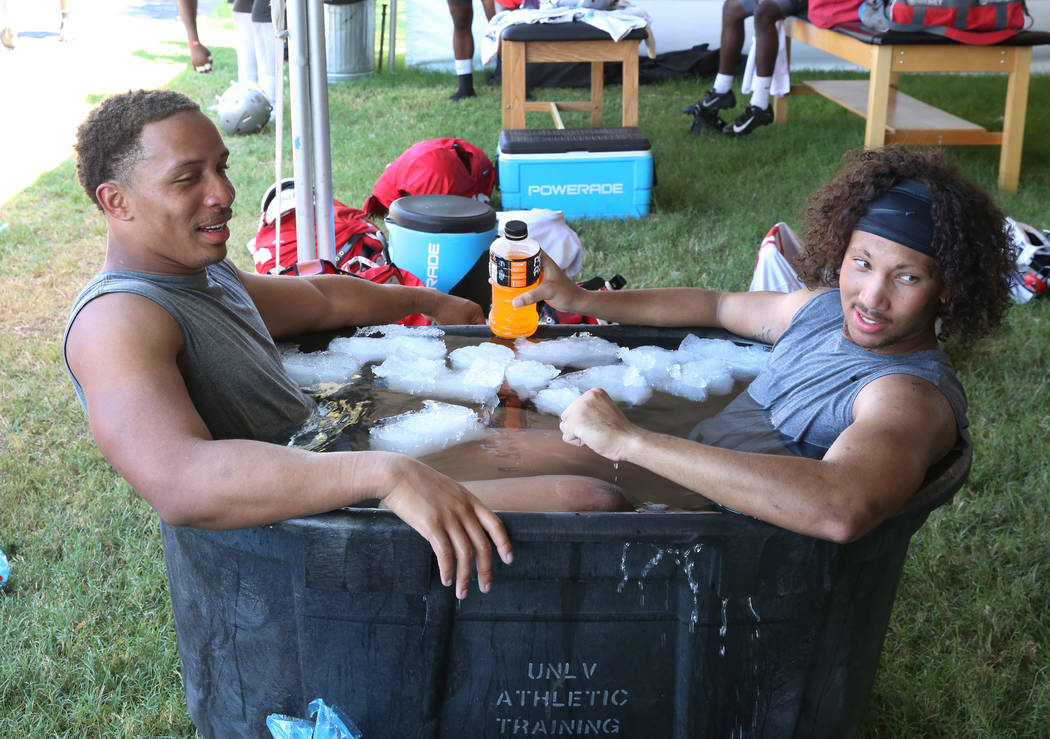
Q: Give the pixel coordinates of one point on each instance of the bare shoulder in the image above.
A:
(125, 352)
(901, 425)
(916, 410)
(903, 391)
(116, 327)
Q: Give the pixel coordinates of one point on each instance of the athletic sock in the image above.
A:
(760, 92)
(465, 70)
(466, 88)
(723, 82)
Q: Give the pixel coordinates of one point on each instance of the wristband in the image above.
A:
(193, 43)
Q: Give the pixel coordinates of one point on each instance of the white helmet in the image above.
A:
(271, 204)
(1032, 250)
(243, 109)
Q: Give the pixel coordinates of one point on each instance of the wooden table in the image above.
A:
(894, 117)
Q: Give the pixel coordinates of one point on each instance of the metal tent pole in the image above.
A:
(299, 90)
(322, 150)
(280, 30)
(393, 33)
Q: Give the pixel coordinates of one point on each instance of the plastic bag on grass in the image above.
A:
(329, 722)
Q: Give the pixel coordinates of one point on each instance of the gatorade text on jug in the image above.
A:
(514, 268)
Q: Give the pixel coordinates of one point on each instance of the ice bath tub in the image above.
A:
(645, 625)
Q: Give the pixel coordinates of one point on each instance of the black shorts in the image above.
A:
(790, 7)
(260, 9)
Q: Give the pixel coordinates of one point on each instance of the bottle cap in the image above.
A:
(516, 230)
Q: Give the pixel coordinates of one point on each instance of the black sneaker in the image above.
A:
(711, 103)
(749, 120)
(705, 121)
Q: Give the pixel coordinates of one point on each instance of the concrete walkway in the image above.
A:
(47, 86)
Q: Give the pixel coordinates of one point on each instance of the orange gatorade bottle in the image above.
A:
(514, 268)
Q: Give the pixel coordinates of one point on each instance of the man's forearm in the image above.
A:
(188, 15)
(804, 495)
(237, 483)
(373, 304)
(358, 302)
(674, 306)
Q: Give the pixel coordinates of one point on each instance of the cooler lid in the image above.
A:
(564, 140)
(442, 214)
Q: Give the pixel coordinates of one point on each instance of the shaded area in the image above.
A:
(699, 60)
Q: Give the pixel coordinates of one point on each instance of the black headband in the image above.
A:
(903, 215)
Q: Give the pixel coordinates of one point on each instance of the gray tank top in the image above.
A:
(814, 374)
(233, 370)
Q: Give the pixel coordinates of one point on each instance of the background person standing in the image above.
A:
(462, 12)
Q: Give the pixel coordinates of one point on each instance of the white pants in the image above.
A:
(255, 53)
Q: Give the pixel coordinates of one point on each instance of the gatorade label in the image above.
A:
(520, 272)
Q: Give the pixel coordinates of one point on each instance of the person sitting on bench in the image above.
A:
(759, 111)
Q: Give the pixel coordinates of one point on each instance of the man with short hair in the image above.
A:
(857, 401)
(171, 350)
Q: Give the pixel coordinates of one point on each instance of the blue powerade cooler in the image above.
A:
(444, 241)
(583, 172)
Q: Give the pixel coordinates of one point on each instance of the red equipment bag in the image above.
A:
(355, 235)
(830, 13)
(383, 274)
(434, 167)
(361, 248)
(981, 22)
(313, 267)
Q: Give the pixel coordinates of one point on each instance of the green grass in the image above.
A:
(87, 644)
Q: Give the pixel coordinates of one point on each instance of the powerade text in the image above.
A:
(433, 257)
(598, 188)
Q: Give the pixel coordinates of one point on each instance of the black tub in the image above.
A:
(646, 625)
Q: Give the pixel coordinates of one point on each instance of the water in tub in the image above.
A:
(477, 409)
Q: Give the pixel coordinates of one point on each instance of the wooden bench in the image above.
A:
(524, 43)
(894, 117)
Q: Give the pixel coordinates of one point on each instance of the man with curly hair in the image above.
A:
(171, 350)
(857, 401)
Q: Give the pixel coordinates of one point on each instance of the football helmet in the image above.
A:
(1032, 249)
(243, 109)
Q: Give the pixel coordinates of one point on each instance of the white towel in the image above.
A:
(781, 79)
(773, 270)
(617, 22)
(554, 235)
